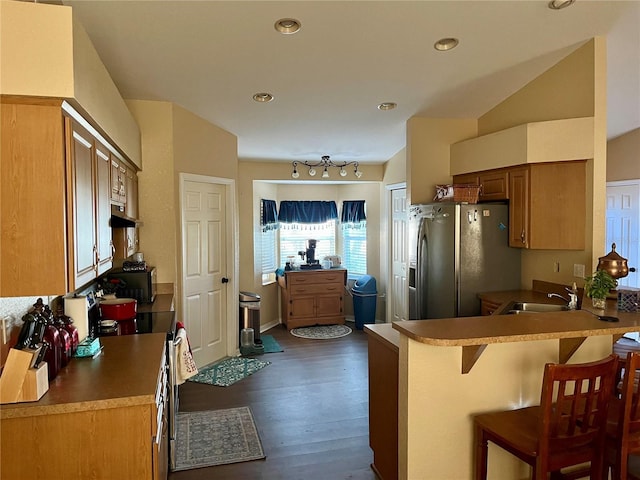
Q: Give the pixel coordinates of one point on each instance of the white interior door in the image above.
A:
(399, 260)
(204, 272)
(623, 224)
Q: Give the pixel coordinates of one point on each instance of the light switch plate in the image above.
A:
(578, 270)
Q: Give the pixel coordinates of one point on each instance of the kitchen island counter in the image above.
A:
(439, 392)
(464, 331)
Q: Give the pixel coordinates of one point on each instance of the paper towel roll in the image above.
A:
(77, 309)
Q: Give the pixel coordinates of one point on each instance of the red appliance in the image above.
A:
(123, 311)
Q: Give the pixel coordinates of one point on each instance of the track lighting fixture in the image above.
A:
(325, 163)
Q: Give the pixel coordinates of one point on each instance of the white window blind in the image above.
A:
(269, 252)
(354, 257)
(294, 236)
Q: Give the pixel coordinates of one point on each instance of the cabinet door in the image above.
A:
(83, 210)
(519, 208)
(103, 209)
(302, 306)
(33, 257)
(329, 305)
(494, 186)
(557, 206)
(115, 180)
(131, 207)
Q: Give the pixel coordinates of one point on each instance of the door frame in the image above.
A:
(231, 239)
(388, 206)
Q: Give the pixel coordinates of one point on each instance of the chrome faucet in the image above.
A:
(572, 301)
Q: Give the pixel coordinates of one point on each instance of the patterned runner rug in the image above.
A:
(216, 437)
(228, 371)
(321, 332)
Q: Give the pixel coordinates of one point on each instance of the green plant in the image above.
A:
(599, 284)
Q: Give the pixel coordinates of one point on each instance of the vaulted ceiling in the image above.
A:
(211, 57)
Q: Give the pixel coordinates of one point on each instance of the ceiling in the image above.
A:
(211, 57)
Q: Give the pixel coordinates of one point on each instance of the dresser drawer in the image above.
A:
(317, 277)
(316, 288)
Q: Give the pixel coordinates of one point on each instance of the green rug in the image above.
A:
(216, 437)
(228, 371)
(270, 344)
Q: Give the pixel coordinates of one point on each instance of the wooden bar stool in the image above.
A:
(623, 425)
(562, 431)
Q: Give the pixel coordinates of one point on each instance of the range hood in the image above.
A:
(120, 220)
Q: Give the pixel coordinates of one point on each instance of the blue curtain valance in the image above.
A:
(353, 215)
(307, 211)
(268, 215)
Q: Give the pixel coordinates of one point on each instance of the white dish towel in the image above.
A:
(186, 366)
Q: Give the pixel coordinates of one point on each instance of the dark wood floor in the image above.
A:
(310, 407)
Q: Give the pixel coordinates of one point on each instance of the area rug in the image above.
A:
(270, 344)
(321, 332)
(228, 371)
(216, 437)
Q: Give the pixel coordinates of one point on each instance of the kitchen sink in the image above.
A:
(529, 307)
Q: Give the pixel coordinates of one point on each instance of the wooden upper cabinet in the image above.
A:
(33, 250)
(131, 195)
(103, 209)
(55, 199)
(83, 249)
(118, 178)
(494, 184)
(547, 206)
(519, 208)
(547, 202)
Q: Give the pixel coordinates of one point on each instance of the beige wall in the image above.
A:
(36, 65)
(428, 153)
(156, 189)
(543, 99)
(57, 59)
(566, 90)
(623, 157)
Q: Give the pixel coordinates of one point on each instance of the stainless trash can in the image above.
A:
(250, 315)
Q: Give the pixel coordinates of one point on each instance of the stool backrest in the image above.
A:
(629, 421)
(574, 405)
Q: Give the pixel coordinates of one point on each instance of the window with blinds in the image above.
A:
(354, 245)
(293, 239)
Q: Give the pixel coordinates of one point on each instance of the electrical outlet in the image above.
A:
(556, 267)
(578, 270)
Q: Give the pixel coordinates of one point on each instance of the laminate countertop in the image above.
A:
(483, 330)
(125, 373)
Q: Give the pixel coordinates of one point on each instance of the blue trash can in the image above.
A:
(364, 300)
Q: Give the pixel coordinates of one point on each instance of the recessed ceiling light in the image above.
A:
(387, 106)
(287, 26)
(560, 4)
(263, 97)
(445, 44)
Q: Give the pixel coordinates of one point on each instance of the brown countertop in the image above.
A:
(126, 373)
(466, 331)
(385, 333)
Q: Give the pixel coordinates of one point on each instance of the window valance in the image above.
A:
(307, 211)
(268, 215)
(353, 214)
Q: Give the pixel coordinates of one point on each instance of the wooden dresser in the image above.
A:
(312, 297)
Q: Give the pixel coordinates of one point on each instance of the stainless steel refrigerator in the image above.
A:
(455, 252)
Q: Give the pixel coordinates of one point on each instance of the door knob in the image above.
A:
(225, 280)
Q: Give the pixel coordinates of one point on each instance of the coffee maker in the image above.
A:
(310, 254)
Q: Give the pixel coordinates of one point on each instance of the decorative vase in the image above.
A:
(599, 303)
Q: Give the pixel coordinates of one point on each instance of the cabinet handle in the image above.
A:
(522, 237)
(96, 258)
